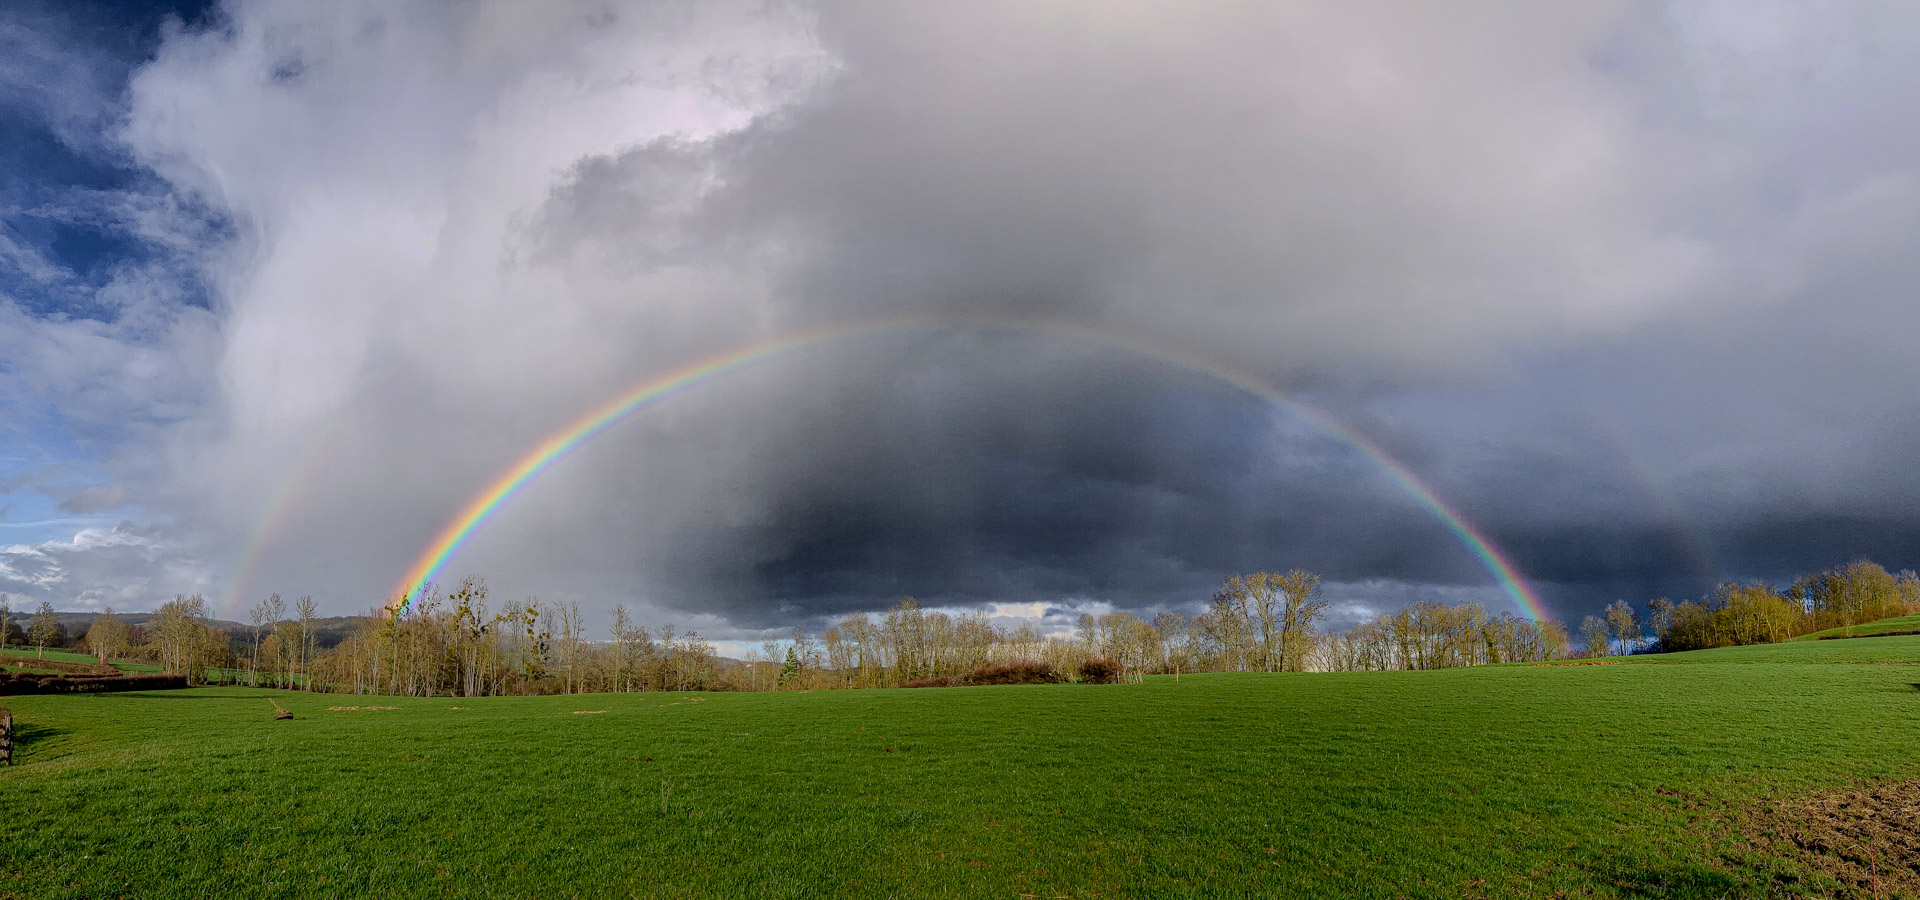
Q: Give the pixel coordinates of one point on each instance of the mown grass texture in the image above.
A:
(1497, 781)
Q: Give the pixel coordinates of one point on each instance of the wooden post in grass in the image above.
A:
(6, 735)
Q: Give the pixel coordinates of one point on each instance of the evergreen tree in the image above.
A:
(790, 669)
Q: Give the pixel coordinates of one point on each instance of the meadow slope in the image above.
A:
(1627, 779)
(1896, 625)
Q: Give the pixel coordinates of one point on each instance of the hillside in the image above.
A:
(1655, 776)
(329, 631)
(1896, 625)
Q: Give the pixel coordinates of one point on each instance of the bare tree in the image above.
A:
(1660, 616)
(1258, 597)
(1593, 630)
(1301, 607)
(305, 610)
(257, 618)
(184, 642)
(108, 636)
(570, 644)
(1623, 624)
(621, 647)
(1225, 631)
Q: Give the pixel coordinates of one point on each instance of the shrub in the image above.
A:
(1100, 670)
(1020, 671)
(13, 685)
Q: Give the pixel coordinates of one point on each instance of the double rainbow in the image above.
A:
(479, 510)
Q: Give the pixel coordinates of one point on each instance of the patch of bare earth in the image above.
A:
(1866, 839)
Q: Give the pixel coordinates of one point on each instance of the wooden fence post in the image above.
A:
(6, 735)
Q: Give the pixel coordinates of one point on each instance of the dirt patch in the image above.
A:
(1867, 838)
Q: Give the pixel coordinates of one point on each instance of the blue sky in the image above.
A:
(67, 248)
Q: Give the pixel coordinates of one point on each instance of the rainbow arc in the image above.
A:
(487, 503)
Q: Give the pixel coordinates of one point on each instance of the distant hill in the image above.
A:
(329, 631)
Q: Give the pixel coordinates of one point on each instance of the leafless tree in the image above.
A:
(1593, 631)
(1624, 625)
(304, 608)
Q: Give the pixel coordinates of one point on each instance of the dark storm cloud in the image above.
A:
(982, 467)
(976, 163)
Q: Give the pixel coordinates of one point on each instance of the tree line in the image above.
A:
(456, 643)
(1739, 613)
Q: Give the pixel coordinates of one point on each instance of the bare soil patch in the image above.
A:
(1865, 838)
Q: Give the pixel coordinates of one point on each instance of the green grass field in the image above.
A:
(1897, 625)
(1523, 781)
(25, 656)
(19, 655)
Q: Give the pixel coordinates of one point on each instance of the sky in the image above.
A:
(1076, 306)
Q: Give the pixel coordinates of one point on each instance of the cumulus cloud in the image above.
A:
(1626, 284)
(99, 567)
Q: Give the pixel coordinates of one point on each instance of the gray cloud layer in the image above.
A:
(1631, 286)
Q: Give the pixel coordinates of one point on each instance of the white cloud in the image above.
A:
(126, 565)
(456, 228)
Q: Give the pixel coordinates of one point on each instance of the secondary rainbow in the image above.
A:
(484, 505)
(280, 504)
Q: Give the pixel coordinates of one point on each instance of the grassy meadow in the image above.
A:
(18, 657)
(24, 656)
(1626, 779)
(1896, 625)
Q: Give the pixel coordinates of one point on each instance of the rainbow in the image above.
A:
(280, 503)
(1655, 489)
(482, 507)
(1483, 550)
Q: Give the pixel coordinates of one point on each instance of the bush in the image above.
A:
(1100, 670)
(1020, 671)
(14, 685)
